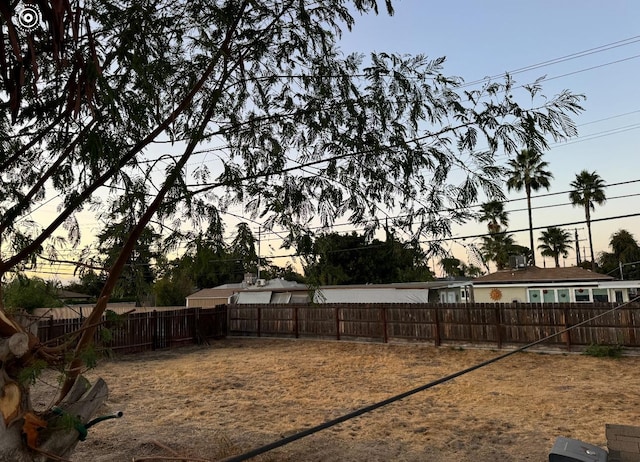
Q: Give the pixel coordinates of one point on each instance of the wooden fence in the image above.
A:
(145, 331)
(480, 323)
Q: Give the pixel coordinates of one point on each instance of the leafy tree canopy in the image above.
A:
(624, 259)
(555, 242)
(352, 259)
(30, 293)
(115, 98)
(306, 132)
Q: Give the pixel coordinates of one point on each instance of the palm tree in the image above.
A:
(528, 172)
(624, 257)
(497, 247)
(588, 190)
(494, 214)
(555, 242)
(451, 266)
(624, 246)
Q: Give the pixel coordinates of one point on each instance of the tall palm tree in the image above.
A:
(588, 190)
(528, 172)
(555, 242)
(494, 214)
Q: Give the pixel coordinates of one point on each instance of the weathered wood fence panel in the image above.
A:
(321, 323)
(500, 324)
(137, 332)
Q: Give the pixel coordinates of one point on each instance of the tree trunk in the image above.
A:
(588, 216)
(81, 402)
(27, 436)
(533, 250)
(52, 437)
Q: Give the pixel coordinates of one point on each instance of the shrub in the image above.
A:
(604, 351)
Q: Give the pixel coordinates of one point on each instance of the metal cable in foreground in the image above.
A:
(371, 407)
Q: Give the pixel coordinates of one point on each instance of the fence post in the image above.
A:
(259, 319)
(383, 313)
(567, 325)
(437, 339)
(630, 322)
(226, 319)
(337, 323)
(154, 329)
(295, 321)
(498, 315)
(196, 326)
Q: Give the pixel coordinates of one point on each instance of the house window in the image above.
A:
(549, 295)
(582, 295)
(600, 295)
(619, 296)
(534, 296)
(563, 296)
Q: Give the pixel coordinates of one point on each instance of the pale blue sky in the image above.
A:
(486, 38)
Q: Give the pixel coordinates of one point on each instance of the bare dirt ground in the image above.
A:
(210, 402)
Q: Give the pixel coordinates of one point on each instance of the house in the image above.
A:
(68, 296)
(443, 291)
(251, 290)
(531, 284)
(279, 291)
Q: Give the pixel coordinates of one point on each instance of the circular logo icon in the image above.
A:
(27, 17)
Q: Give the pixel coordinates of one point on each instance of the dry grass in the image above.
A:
(214, 401)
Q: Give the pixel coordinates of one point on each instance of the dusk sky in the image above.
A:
(586, 46)
(599, 46)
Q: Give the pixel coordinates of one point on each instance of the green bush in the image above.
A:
(604, 351)
(30, 293)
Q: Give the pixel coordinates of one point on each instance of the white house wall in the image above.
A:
(508, 294)
(586, 292)
(386, 295)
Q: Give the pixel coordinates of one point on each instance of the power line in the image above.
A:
(579, 54)
(475, 236)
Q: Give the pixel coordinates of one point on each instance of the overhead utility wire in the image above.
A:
(579, 54)
(531, 67)
(574, 140)
(564, 204)
(457, 238)
(372, 407)
(504, 201)
(591, 68)
(474, 236)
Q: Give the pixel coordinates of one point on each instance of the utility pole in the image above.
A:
(258, 252)
(579, 259)
(577, 248)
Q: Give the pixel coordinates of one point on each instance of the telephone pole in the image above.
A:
(577, 248)
(578, 240)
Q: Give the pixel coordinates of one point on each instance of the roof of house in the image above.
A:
(68, 294)
(535, 274)
(437, 284)
(216, 292)
(282, 285)
(272, 285)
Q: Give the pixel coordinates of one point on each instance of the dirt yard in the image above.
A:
(207, 403)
